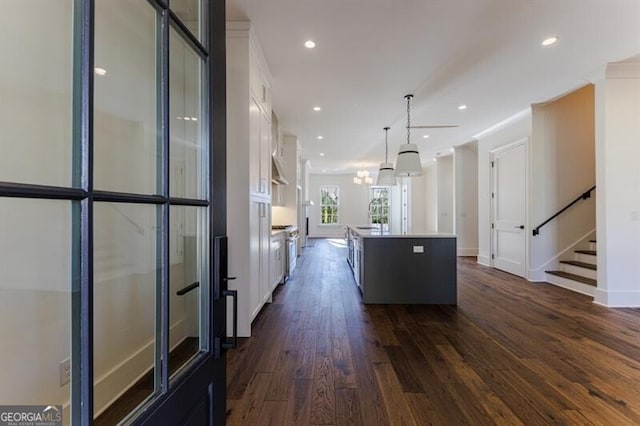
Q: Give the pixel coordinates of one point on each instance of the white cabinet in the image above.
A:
(260, 246)
(259, 80)
(259, 149)
(248, 174)
(264, 181)
(277, 259)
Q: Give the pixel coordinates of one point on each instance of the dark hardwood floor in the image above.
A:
(511, 352)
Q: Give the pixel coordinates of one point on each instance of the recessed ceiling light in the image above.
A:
(320, 137)
(194, 119)
(549, 41)
(309, 44)
(187, 119)
(426, 136)
(461, 107)
(100, 71)
(178, 118)
(317, 108)
(322, 154)
(324, 171)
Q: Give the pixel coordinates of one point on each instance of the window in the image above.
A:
(379, 206)
(329, 202)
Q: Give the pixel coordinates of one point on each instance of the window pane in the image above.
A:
(125, 280)
(125, 111)
(329, 201)
(186, 121)
(190, 13)
(188, 257)
(35, 301)
(35, 91)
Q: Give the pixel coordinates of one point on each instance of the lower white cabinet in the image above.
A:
(278, 254)
(259, 250)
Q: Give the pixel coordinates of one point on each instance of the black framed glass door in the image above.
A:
(111, 193)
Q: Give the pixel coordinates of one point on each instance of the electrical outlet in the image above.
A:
(65, 371)
(418, 249)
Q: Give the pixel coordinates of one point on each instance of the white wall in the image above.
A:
(418, 205)
(512, 130)
(466, 195)
(618, 185)
(352, 210)
(36, 87)
(35, 299)
(431, 197)
(562, 166)
(446, 195)
(395, 220)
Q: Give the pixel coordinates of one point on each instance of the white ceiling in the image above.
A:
(370, 53)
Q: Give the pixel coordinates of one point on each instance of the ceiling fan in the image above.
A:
(437, 126)
(443, 126)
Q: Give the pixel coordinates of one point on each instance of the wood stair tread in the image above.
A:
(574, 277)
(580, 264)
(591, 252)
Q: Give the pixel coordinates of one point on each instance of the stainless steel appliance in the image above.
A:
(292, 247)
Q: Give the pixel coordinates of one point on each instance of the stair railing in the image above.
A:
(585, 195)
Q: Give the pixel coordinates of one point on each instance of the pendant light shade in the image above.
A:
(386, 174)
(408, 163)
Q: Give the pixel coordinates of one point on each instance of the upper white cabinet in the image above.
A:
(248, 173)
(259, 150)
(259, 80)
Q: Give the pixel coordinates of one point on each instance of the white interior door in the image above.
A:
(509, 203)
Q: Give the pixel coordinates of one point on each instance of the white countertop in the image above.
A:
(370, 231)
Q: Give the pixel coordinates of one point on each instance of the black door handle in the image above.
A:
(234, 337)
(520, 227)
(227, 279)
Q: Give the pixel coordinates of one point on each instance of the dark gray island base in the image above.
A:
(407, 269)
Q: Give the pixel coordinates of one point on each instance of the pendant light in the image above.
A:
(408, 163)
(386, 174)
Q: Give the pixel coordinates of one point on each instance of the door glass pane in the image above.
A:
(190, 13)
(125, 109)
(189, 262)
(35, 91)
(35, 301)
(186, 121)
(125, 278)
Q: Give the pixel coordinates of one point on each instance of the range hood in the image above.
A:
(277, 174)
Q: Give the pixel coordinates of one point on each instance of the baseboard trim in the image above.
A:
(536, 275)
(467, 252)
(126, 373)
(617, 299)
(484, 260)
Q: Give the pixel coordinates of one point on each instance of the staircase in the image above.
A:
(578, 274)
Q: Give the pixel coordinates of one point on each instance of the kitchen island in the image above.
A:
(408, 269)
